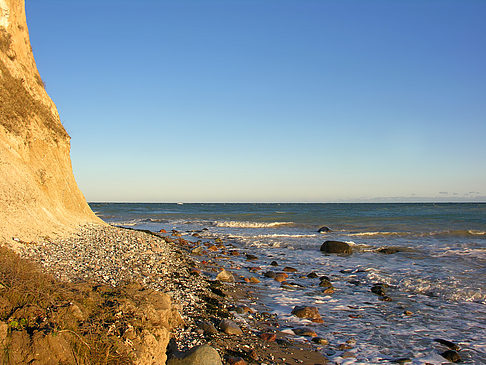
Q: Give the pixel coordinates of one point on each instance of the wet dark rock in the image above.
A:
(270, 274)
(324, 229)
(303, 331)
(198, 355)
(250, 257)
(274, 263)
(290, 284)
(207, 327)
(320, 341)
(402, 360)
(243, 309)
(289, 269)
(449, 344)
(354, 282)
(390, 250)
(325, 283)
(378, 290)
(229, 327)
(385, 298)
(307, 312)
(312, 275)
(451, 356)
(336, 247)
(324, 278)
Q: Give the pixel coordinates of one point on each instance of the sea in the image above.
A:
(437, 280)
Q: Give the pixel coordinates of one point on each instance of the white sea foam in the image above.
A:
(242, 224)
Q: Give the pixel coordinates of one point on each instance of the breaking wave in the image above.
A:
(239, 224)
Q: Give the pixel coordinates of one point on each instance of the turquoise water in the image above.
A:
(440, 276)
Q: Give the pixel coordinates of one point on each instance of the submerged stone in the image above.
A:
(336, 247)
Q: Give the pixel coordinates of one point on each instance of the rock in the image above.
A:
(390, 250)
(324, 229)
(269, 337)
(385, 298)
(280, 277)
(378, 289)
(320, 341)
(162, 231)
(254, 280)
(312, 275)
(229, 327)
(198, 355)
(213, 248)
(451, 356)
(250, 257)
(198, 251)
(243, 309)
(348, 354)
(232, 360)
(207, 327)
(225, 276)
(354, 282)
(274, 263)
(304, 332)
(449, 344)
(329, 291)
(270, 274)
(289, 269)
(408, 313)
(336, 247)
(307, 312)
(325, 283)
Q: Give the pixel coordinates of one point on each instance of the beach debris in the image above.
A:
(324, 229)
(307, 312)
(203, 354)
(225, 276)
(336, 247)
(229, 327)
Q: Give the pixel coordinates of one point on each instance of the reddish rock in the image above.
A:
(269, 337)
(163, 231)
(235, 361)
(254, 280)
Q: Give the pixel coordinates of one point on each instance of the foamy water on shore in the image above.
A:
(438, 276)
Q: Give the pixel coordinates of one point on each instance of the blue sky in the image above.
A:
(268, 100)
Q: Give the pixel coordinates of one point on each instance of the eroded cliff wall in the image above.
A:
(38, 193)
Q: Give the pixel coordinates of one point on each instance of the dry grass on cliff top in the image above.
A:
(71, 321)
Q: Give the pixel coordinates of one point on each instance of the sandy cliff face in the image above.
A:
(38, 193)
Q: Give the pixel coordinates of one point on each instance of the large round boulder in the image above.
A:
(203, 354)
(336, 247)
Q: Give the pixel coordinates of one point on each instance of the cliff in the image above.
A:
(38, 194)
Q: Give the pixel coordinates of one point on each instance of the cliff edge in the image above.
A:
(38, 194)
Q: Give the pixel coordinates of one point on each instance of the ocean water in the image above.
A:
(439, 276)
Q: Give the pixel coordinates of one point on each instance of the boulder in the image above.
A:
(225, 276)
(207, 327)
(198, 355)
(336, 247)
(229, 327)
(307, 312)
(447, 343)
(451, 356)
(324, 229)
